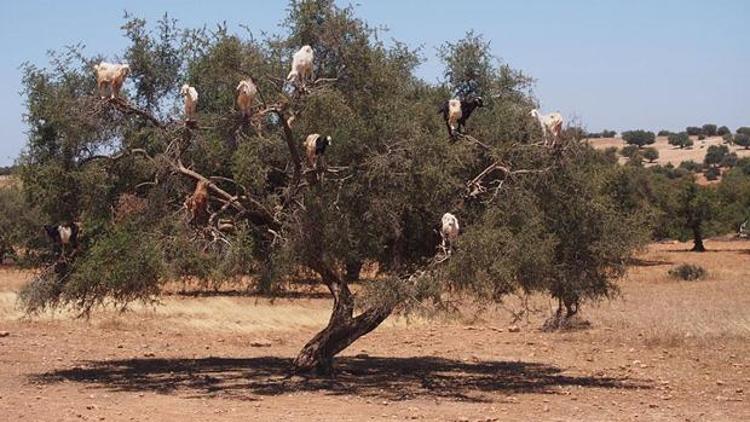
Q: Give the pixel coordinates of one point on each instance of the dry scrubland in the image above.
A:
(671, 154)
(665, 350)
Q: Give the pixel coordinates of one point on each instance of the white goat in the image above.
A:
(113, 75)
(191, 100)
(246, 92)
(315, 145)
(551, 125)
(449, 231)
(302, 65)
(454, 114)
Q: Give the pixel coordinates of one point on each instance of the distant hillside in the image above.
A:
(672, 154)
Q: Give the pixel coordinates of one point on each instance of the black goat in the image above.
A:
(459, 117)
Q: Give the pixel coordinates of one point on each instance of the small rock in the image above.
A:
(362, 356)
(149, 354)
(4, 333)
(261, 343)
(719, 382)
(514, 329)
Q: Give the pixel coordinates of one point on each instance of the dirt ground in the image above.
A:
(671, 154)
(664, 350)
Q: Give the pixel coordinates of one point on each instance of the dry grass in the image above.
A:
(654, 307)
(6, 181)
(671, 154)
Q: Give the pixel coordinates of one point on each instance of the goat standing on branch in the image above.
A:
(449, 231)
(246, 92)
(191, 101)
(551, 125)
(315, 146)
(197, 203)
(302, 65)
(112, 75)
(63, 235)
(455, 113)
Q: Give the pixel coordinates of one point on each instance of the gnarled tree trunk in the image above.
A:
(698, 239)
(343, 328)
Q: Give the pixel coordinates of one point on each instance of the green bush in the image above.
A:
(651, 154)
(639, 138)
(709, 129)
(688, 272)
(715, 155)
(701, 137)
(664, 132)
(712, 173)
(680, 140)
(742, 140)
(691, 166)
(694, 130)
(629, 151)
(723, 130)
(744, 130)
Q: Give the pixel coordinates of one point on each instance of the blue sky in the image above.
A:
(610, 64)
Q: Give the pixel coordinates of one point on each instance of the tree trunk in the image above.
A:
(342, 330)
(353, 268)
(698, 239)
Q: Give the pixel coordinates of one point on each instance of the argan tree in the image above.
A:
(125, 167)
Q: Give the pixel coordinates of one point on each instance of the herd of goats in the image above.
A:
(455, 113)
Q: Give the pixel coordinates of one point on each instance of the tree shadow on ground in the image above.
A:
(641, 262)
(378, 377)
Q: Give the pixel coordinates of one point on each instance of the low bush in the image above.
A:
(688, 272)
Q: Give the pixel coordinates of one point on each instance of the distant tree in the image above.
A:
(709, 129)
(723, 130)
(651, 154)
(639, 138)
(691, 166)
(727, 138)
(680, 140)
(608, 133)
(744, 130)
(712, 173)
(729, 160)
(715, 155)
(694, 130)
(628, 151)
(664, 132)
(742, 139)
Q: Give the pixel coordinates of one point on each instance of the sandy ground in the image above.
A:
(671, 154)
(664, 350)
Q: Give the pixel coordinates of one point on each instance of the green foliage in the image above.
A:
(723, 130)
(639, 138)
(694, 130)
(664, 132)
(743, 130)
(651, 154)
(680, 140)
(715, 155)
(742, 140)
(712, 173)
(688, 272)
(709, 129)
(392, 174)
(629, 151)
(691, 166)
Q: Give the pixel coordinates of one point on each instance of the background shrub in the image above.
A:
(688, 272)
(694, 130)
(680, 140)
(709, 129)
(639, 137)
(723, 130)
